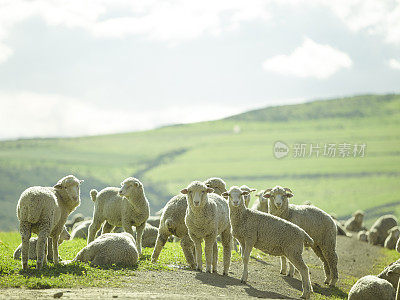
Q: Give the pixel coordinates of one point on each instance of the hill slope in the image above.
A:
(238, 149)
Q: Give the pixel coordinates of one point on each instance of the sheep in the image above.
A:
(76, 218)
(207, 216)
(379, 230)
(339, 227)
(64, 236)
(270, 234)
(110, 249)
(261, 204)
(149, 236)
(318, 224)
(154, 221)
(80, 230)
(362, 236)
(355, 222)
(247, 198)
(398, 245)
(371, 287)
(391, 240)
(126, 207)
(44, 211)
(173, 223)
(391, 273)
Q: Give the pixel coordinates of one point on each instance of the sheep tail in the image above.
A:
(308, 241)
(93, 195)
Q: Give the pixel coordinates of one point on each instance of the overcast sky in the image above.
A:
(78, 67)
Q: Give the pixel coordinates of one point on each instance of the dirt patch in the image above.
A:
(355, 260)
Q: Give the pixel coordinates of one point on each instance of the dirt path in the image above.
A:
(355, 259)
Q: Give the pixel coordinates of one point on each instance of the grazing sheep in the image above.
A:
(126, 207)
(379, 230)
(110, 249)
(371, 287)
(207, 216)
(64, 236)
(270, 234)
(247, 198)
(149, 236)
(76, 218)
(355, 223)
(362, 236)
(173, 223)
(81, 229)
(261, 204)
(318, 224)
(391, 273)
(154, 221)
(44, 211)
(391, 240)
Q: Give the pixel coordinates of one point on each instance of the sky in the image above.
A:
(76, 67)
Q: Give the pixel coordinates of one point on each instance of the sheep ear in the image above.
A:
(253, 190)
(225, 194)
(184, 191)
(210, 190)
(58, 186)
(289, 195)
(245, 193)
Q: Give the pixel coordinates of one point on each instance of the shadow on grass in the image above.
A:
(260, 260)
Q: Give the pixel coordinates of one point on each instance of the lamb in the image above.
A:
(247, 198)
(64, 236)
(391, 273)
(173, 223)
(371, 287)
(126, 207)
(318, 224)
(81, 229)
(391, 240)
(76, 218)
(270, 234)
(149, 236)
(355, 222)
(154, 221)
(110, 249)
(362, 236)
(261, 204)
(207, 216)
(44, 211)
(379, 230)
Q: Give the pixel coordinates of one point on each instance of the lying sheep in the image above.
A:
(391, 273)
(154, 221)
(207, 216)
(247, 198)
(173, 223)
(261, 204)
(76, 218)
(64, 236)
(371, 287)
(126, 207)
(355, 223)
(149, 236)
(379, 230)
(362, 236)
(110, 249)
(270, 234)
(318, 224)
(391, 240)
(80, 230)
(44, 211)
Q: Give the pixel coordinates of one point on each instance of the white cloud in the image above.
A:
(394, 63)
(309, 60)
(27, 114)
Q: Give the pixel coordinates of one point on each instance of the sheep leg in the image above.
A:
(41, 245)
(160, 242)
(319, 253)
(93, 228)
(215, 258)
(297, 260)
(50, 249)
(25, 231)
(283, 265)
(246, 256)
(55, 249)
(107, 227)
(291, 270)
(332, 259)
(208, 251)
(197, 249)
(226, 238)
(139, 235)
(188, 250)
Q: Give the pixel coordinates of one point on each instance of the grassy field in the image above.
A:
(239, 149)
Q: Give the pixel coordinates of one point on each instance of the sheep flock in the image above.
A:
(207, 211)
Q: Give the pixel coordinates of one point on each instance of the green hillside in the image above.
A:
(238, 149)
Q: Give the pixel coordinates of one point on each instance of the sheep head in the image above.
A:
(245, 188)
(278, 195)
(236, 196)
(196, 193)
(130, 186)
(358, 216)
(217, 184)
(69, 186)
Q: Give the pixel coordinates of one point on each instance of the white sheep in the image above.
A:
(391, 273)
(44, 211)
(270, 234)
(355, 223)
(371, 287)
(154, 220)
(379, 230)
(173, 223)
(207, 216)
(76, 218)
(247, 197)
(149, 236)
(391, 240)
(126, 207)
(318, 224)
(80, 230)
(110, 249)
(362, 236)
(64, 236)
(261, 204)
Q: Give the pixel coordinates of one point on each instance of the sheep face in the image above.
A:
(217, 184)
(278, 195)
(128, 186)
(246, 197)
(70, 185)
(260, 196)
(197, 193)
(236, 196)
